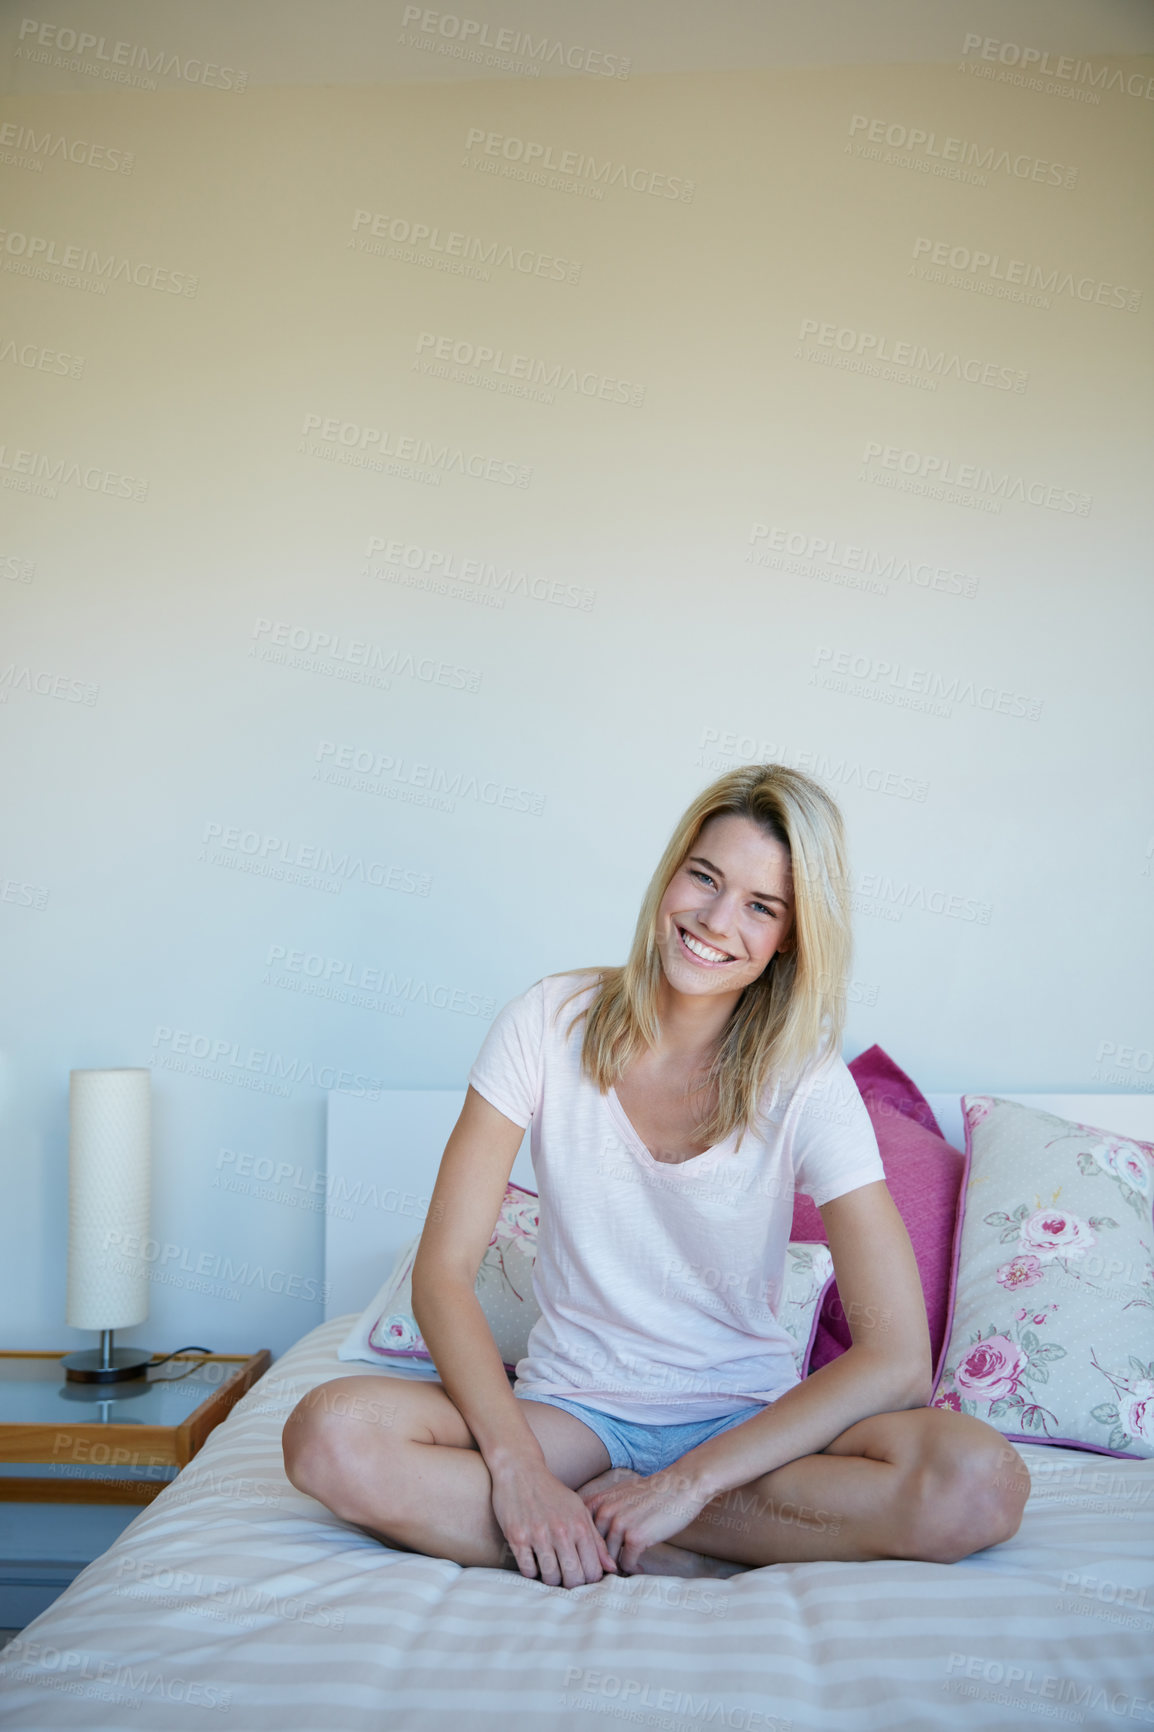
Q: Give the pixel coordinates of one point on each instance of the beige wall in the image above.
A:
(798, 407)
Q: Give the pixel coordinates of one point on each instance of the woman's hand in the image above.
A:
(548, 1529)
(638, 1512)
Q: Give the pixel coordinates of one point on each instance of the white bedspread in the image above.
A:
(236, 1601)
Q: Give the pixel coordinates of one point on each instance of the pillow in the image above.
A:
(386, 1333)
(1051, 1337)
(924, 1176)
(808, 1278)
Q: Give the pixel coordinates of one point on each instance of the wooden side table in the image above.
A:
(118, 1443)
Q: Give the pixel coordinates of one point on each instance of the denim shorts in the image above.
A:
(646, 1448)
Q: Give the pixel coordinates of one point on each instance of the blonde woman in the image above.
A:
(657, 1423)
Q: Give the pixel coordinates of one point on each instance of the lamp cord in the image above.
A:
(191, 1348)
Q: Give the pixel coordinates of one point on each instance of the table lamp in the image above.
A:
(109, 1150)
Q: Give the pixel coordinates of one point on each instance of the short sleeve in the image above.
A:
(834, 1146)
(508, 1068)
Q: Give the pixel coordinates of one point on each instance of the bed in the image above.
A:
(234, 1599)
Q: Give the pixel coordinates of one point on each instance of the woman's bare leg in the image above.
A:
(396, 1458)
(924, 1483)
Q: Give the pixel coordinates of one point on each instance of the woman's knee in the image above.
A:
(964, 1489)
(333, 1428)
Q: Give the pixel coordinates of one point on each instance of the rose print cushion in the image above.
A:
(808, 1279)
(1051, 1336)
(386, 1332)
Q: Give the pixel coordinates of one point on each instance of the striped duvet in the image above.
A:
(235, 1601)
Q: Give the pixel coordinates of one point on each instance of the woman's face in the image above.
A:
(728, 908)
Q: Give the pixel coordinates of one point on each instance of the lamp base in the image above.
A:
(96, 1366)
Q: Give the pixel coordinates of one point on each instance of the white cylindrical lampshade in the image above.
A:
(109, 1187)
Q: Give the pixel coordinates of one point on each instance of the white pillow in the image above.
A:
(386, 1332)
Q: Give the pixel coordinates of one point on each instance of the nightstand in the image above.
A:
(111, 1443)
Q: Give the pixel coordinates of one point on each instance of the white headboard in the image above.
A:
(383, 1158)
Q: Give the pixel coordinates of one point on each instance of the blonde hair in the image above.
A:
(796, 1008)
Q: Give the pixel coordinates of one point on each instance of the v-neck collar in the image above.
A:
(625, 1125)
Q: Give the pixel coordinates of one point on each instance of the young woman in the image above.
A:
(657, 1423)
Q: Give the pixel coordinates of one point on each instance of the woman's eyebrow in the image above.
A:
(762, 895)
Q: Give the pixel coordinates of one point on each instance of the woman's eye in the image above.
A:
(695, 872)
(766, 910)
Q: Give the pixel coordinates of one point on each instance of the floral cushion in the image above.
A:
(808, 1278)
(386, 1332)
(1051, 1337)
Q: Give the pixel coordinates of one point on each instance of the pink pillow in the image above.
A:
(924, 1175)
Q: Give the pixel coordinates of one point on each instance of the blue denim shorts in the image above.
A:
(645, 1448)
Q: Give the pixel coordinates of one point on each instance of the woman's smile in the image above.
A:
(702, 952)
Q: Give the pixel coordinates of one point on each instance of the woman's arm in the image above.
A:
(466, 1199)
(887, 1368)
(548, 1529)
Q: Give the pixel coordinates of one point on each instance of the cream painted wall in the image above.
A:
(422, 475)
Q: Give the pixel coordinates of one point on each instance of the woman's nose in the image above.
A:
(719, 913)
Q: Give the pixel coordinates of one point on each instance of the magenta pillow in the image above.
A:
(924, 1175)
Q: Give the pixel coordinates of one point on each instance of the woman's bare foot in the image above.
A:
(665, 1559)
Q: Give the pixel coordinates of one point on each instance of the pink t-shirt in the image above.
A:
(658, 1282)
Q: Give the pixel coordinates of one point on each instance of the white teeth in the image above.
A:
(706, 953)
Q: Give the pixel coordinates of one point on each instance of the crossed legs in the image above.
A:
(397, 1459)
